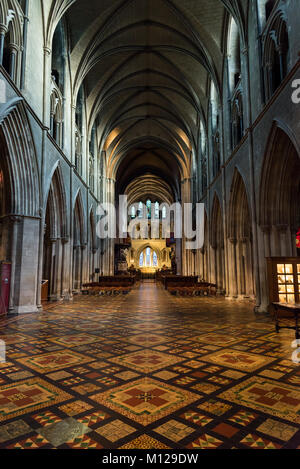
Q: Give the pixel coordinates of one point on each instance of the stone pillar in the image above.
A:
(25, 257)
(232, 267)
(3, 31)
(13, 51)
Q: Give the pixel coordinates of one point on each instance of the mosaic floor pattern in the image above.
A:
(148, 371)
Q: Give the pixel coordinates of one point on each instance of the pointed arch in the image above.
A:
(19, 158)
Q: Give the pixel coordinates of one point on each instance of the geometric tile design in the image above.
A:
(146, 361)
(75, 340)
(35, 442)
(214, 407)
(144, 442)
(278, 430)
(83, 442)
(115, 430)
(243, 418)
(54, 361)
(145, 400)
(46, 418)
(63, 432)
(196, 418)
(148, 371)
(27, 396)
(277, 399)
(205, 442)
(75, 408)
(238, 360)
(13, 430)
(256, 442)
(174, 431)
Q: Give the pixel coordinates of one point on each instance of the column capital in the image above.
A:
(47, 51)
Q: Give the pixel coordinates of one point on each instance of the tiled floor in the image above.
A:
(148, 370)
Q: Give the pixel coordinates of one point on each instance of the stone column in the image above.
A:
(232, 267)
(3, 31)
(13, 51)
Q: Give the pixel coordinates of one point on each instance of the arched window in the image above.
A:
(148, 257)
(133, 212)
(234, 55)
(79, 130)
(164, 212)
(56, 112)
(275, 53)
(148, 206)
(142, 259)
(203, 158)
(215, 132)
(237, 119)
(141, 210)
(235, 83)
(155, 263)
(157, 210)
(265, 9)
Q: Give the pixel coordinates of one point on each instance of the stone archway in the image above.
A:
(79, 244)
(55, 239)
(20, 220)
(279, 210)
(240, 249)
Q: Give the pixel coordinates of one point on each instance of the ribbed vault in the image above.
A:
(145, 67)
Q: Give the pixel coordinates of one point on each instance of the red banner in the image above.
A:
(298, 239)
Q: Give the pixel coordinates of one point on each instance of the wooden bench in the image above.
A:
(288, 311)
(110, 285)
(189, 286)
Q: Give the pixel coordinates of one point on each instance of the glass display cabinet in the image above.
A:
(284, 280)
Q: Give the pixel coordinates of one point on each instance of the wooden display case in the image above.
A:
(284, 280)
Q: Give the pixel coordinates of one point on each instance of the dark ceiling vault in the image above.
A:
(145, 66)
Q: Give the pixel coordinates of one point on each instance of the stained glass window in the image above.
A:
(142, 259)
(141, 210)
(148, 257)
(148, 205)
(133, 212)
(164, 212)
(156, 210)
(154, 259)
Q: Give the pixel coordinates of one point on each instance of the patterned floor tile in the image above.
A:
(145, 400)
(139, 366)
(147, 361)
(67, 430)
(13, 430)
(35, 442)
(243, 418)
(144, 442)
(271, 397)
(214, 407)
(46, 418)
(256, 442)
(278, 430)
(205, 442)
(27, 396)
(196, 418)
(75, 408)
(83, 442)
(54, 361)
(174, 431)
(238, 360)
(93, 419)
(115, 431)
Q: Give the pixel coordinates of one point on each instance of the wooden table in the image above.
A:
(294, 310)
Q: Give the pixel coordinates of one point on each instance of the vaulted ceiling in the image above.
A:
(145, 65)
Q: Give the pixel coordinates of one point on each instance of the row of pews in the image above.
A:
(187, 286)
(111, 286)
